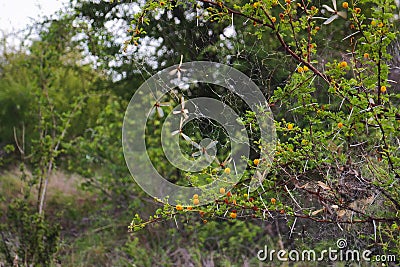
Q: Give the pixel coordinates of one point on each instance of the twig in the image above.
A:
(291, 196)
(21, 149)
(292, 228)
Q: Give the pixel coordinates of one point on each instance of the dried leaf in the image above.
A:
(317, 211)
(323, 186)
(341, 213)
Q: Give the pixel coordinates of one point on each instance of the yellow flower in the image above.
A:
(256, 162)
(300, 70)
(357, 10)
(196, 201)
(273, 201)
(273, 19)
(366, 55)
(233, 215)
(227, 171)
(305, 68)
(383, 88)
(290, 126)
(222, 190)
(195, 196)
(340, 125)
(343, 64)
(380, 25)
(373, 23)
(179, 207)
(345, 5)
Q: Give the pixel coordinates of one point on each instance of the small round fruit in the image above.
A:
(340, 125)
(222, 190)
(229, 194)
(195, 196)
(366, 55)
(227, 171)
(357, 10)
(233, 215)
(256, 162)
(383, 89)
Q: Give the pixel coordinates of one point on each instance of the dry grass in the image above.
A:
(60, 184)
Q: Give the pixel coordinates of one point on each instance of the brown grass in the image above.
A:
(60, 184)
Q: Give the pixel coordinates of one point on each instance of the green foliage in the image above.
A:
(45, 92)
(223, 243)
(342, 134)
(336, 115)
(35, 238)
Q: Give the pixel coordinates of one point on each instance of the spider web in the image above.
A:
(201, 136)
(229, 43)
